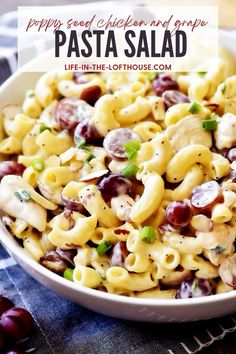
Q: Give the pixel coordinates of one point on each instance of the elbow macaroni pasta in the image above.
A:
(57, 190)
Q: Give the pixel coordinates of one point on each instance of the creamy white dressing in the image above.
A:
(188, 131)
(225, 134)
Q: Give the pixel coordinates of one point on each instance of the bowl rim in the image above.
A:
(15, 250)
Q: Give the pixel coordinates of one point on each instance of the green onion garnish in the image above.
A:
(152, 75)
(42, 128)
(37, 165)
(130, 170)
(148, 234)
(30, 93)
(91, 156)
(68, 274)
(131, 149)
(209, 124)
(194, 285)
(103, 247)
(194, 108)
(223, 89)
(202, 73)
(23, 195)
(79, 142)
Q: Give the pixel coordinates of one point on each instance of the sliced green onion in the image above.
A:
(194, 108)
(195, 285)
(103, 248)
(38, 165)
(218, 249)
(209, 124)
(148, 234)
(202, 73)
(68, 274)
(84, 147)
(30, 93)
(131, 149)
(91, 156)
(79, 142)
(23, 195)
(130, 170)
(152, 75)
(223, 89)
(42, 128)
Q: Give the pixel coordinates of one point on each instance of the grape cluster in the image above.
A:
(16, 324)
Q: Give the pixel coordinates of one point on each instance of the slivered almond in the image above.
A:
(94, 175)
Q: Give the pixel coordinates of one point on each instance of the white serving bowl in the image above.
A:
(152, 310)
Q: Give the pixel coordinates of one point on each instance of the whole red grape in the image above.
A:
(5, 304)
(179, 214)
(16, 323)
(2, 340)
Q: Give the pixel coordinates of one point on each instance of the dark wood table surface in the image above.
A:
(227, 19)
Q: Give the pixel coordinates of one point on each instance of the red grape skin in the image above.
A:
(91, 94)
(179, 214)
(172, 97)
(11, 168)
(113, 185)
(53, 261)
(87, 133)
(16, 323)
(5, 304)
(118, 254)
(72, 204)
(232, 154)
(115, 140)
(164, 83)
(194, 287)
(233, 176)
(205, 196)
(70, 111)
(2, 340)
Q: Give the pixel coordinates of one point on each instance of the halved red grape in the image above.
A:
(79, 76)
(87, 133)
(67, 255)
(113, 185)
(163, 83)
(11, 168)
(228, 271)
(54, 262)
(118, 254)
(232, 176)
(5, 304)
(68, 215)
(179, 214)
(72, 204)
(16, 323)
(91, 94)
(115, 140)
(70, 111)
(172, 97)
(206, 195)
(193, 287)
(231, 155)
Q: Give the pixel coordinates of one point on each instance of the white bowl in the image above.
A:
(153, 310)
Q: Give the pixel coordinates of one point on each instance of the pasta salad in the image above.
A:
(126, 182)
